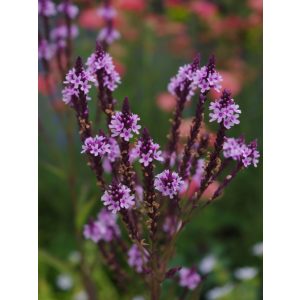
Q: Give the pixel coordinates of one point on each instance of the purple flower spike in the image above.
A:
(77, 81)
(101, 60)
(46, 50)
(207, 77)
(104, 228)
(93, 231)
(118, 197)
(68, 9)
(108, 35)
(97, 146)
(251, 155)
(147, 151)
(236, 149)
(168, 183)
(189, 278)
(124, 123)
(224, 110)
(47, 8)
(136, 258)
(184, 80)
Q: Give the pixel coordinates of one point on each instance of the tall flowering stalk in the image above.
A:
(149, 218)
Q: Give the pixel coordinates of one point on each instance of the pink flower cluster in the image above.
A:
(108, 34)
(46, 50)
(69, 9)
(103, 61)
(118, 196)
(114, 152)
(193, 78)
(205, 80)
(137, 258)
(224, 110)
(168, 183)
(97, 146)
(238, 150)
(146, 153)
(189, 278)
(60, 34)
(75, 84)
(47, 8)
(124, 125)
(104, 228)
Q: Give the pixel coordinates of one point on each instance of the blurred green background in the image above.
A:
(157, 37)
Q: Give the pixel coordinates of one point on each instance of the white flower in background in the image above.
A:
(245, 273)
(74, 257)
(138, 298)
(64, 282)
(257, 249)
(82, 295)
(207, 264)
(219, 291)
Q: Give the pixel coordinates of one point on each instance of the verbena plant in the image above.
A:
(153, 206)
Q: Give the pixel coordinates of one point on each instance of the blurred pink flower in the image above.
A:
(166, 102)
(194, 187)
(44, 86)
(204, 9)
(256, 5)
(132, 5)
(89, 18)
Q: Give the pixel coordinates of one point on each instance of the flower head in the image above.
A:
(137, 258)
(183, 81)
(251, 155)
(118, 197)
(97, 146)
(46, 8)
(60, 33)
(168, 183)
(236, 149)
(102, 61)
(207, 77)
(124, 123)
(114, 150)
(105, 227)
(107, 12)
(189, 278)
(146, 150)
(46, 50)
(69, 9)
(77, 81)
(108, 35)
(225, 111)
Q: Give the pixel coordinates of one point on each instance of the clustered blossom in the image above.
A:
(46, 50)
(104, 228)
(69, 9)
(97, 146)
(60, 34)
(101, 61)
(193, 78)
(124, 125)
(146, 152)
(108, 34)
(46, 8)
(182, 80)
(189, 278)
(76, 83)
(207, 77)
(168, 183)
(137, 258)
(118, 196)
(238, 150)
(225, 111)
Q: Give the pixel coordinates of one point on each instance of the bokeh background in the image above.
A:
(225, 241)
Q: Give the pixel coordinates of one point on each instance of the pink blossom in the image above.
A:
(189, 278)
(137, 258)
